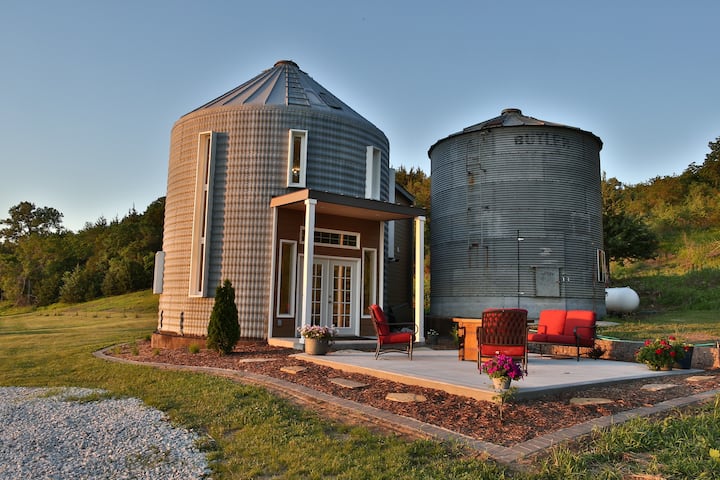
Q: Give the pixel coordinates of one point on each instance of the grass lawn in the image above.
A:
(256, 435)
(694, 326)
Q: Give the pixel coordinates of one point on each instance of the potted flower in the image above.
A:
(661, 353)
(431, 337)
(685, 362)
(502, 369)
(317, 338)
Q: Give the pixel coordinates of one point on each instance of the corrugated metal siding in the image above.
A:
(542, 182)
(251, 168)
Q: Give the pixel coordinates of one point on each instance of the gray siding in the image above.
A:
(251, 168)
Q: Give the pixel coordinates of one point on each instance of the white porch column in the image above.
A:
(420, 277)
(306, 313)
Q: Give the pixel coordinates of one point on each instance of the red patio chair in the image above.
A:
(387, 337)
(503, 331)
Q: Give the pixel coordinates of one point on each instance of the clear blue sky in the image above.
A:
(89, 90)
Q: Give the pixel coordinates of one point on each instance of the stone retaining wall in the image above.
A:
(624, 351)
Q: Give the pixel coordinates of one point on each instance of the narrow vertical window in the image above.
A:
(286, 279)
(202, 214)
(372, 173)
(297, 158)
(369, 296)
(601, 266)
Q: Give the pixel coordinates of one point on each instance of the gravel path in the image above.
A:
(74, 433)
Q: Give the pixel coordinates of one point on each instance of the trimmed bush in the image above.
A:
(224, 330)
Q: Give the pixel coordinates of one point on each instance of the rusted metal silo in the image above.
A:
(516, 218)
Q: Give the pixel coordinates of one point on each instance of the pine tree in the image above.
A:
(223, 330)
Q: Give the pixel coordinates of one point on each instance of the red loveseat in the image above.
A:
(566, 327)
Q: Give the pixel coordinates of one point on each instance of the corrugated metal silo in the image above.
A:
(516, 218)
(249, 127)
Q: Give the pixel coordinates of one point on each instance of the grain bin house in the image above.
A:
(286, 191)
(516, 218)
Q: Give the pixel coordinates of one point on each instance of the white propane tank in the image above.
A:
(621, 299)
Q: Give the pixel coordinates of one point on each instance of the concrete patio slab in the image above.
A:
(441, 369)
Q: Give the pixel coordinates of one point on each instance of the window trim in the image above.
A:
(301, 157)
(342, 233)
(202, 214)
(373, 157)
(292, 277)
(602, 274)
(364, 309)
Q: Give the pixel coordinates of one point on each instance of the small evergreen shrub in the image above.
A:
(194, 348)
(223, 329)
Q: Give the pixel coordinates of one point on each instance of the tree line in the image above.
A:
(42, 263)
(676, 215)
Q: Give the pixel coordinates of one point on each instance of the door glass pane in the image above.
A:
(316, 311)
(342, 295)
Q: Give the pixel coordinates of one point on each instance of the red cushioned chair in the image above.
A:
(503, 331)
(386, 337)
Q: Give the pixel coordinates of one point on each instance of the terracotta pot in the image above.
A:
(317, 346)
(501, 383)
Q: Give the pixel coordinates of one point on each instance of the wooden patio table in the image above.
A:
(468, 342)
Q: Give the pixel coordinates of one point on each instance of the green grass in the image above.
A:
(683, 445)
(701, 326)
(254, 434)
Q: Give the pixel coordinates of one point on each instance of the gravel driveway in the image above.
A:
(73, 433)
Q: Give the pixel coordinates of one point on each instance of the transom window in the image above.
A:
(334, 238)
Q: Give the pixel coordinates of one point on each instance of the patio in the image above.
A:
(441, 369)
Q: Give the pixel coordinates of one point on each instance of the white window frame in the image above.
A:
(297, 178)
(202, 214)
(373, 157)
(332, 245)
(374, 279)
(292, 274)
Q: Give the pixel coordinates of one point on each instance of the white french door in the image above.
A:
(335, 294)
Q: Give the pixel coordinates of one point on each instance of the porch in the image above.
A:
(441, 369)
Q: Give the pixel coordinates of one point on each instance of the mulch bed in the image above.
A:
(522, 419)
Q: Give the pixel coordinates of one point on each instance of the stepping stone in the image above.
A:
(293, 370)
(656, 387)
(589, 401)
(405, 397)
(700, 378)
(347, 383)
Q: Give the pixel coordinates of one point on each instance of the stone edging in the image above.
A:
(340, 408)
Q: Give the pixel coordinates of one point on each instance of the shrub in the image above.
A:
(223, 329)
(194, 348)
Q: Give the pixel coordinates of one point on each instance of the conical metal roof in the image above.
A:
(283, 85)
(512, 117)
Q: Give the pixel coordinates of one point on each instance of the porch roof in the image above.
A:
(346, 206)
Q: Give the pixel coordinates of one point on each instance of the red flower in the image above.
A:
(659, 351)
(671, 338)
(647, 342)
